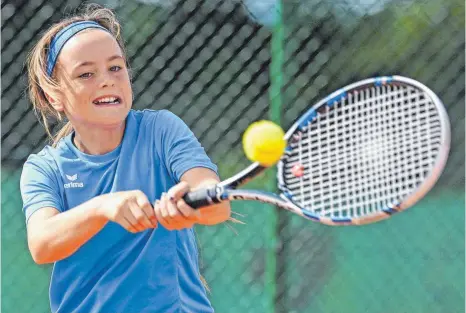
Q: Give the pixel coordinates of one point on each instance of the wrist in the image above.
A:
(96, 208)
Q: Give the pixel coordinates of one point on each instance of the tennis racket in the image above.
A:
(367, 151)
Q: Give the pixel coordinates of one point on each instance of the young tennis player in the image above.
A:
(104, 202)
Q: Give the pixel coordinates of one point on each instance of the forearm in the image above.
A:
(62, 234)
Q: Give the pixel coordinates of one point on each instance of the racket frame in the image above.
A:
(226, 190)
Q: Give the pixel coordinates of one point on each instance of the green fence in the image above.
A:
(222, 64)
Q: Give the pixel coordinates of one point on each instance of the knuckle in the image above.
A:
(183, 204)
(186, 210)
(187, 213)
(151, 210)
(150, 214)
(138, 194)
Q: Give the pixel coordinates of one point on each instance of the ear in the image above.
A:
(55, 102)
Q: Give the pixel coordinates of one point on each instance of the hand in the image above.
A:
(131, 209)
(171, 210)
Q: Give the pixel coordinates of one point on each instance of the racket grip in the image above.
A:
(201, 197)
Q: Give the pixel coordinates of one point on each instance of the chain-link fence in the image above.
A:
(219, 65)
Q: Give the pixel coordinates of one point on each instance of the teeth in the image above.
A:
(106, 100)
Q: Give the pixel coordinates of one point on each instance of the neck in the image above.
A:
(98, 141)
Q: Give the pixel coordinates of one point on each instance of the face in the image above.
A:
(95, 89)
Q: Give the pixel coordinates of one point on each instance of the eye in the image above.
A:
(85, 75)
(115, 68)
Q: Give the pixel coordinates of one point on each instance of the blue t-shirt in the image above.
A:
(117, 271)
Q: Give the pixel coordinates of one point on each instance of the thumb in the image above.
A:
(178, 191)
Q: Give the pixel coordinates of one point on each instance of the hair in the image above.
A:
(41, 84)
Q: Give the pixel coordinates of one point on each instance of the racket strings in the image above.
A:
(364, 153)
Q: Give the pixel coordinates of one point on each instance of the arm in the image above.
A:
(53, 236)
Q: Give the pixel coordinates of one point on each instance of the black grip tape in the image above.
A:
(202, 197)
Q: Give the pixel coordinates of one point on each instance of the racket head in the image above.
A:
(367, 151)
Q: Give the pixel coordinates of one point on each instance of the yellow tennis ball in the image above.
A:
(263, 142)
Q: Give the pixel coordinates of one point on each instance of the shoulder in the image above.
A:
(159, 120)
(49, 160)
(162, 116)
(42, 163)
(45, 158)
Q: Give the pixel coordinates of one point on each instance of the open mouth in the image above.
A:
(107, 100)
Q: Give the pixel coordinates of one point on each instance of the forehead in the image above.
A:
(89, 45)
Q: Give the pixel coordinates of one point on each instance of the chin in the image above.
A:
(112, 118)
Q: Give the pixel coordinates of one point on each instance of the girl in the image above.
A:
(87, 198)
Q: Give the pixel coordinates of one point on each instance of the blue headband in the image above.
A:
(63, 36)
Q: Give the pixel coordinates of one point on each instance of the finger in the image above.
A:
(153, 221)
(179, 218)
(178, 191)
(162, 213)
(141, 217)
(148, 209)
(159, 215)
(168, 212)
(187, 211)
(132, 220)
(149, 212)
(127, 225)
(143, 202)
(173, 212)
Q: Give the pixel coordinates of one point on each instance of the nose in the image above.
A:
(107, 80)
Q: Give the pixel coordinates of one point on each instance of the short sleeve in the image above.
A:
(180, 148)
(38, 187)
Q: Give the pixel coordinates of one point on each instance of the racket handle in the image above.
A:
(201, 197)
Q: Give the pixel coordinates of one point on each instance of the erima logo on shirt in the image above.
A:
(72, 184)
(72, 178)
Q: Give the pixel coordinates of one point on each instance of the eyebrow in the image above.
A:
(85, 63)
